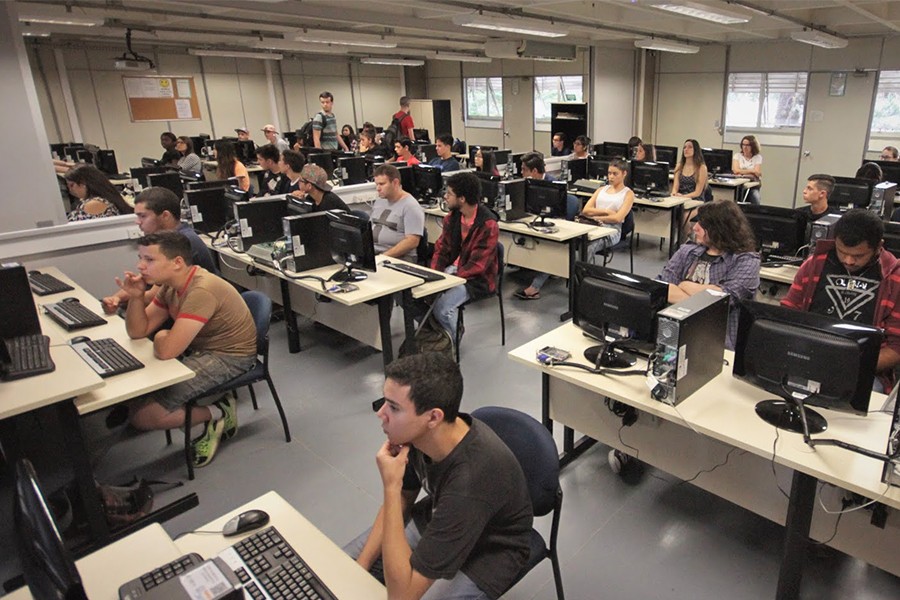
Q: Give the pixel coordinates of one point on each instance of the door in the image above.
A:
(518, 114)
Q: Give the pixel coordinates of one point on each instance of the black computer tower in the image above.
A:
(307, 244)
(208, 211)
(259, 221)
(511, 200)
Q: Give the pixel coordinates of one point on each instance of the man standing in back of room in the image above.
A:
(405, 119)
(397, 218)
(315, 185)
(815, 195)
(325, 128)
(276, 140)
(444, 160)
(274, 181)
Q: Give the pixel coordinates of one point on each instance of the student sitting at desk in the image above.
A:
(854, 278)
(609, 206)
(276, 140)
(691, 175)
(403, 149)
(274, 181)
(398, 219)
(643, 151)
(167, 140)
(367, 145)
(230, 166)
(444, 160)
(559, 145)
(292, 164)
(467, 248)
(189, 161)
(349, 137)
(890, 153)
(314, 183)
(815, 194)
(722, 257)
(580, 148)
(213, 328)
(97, 196)
(469, 536)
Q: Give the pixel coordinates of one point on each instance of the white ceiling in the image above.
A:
(419, 26)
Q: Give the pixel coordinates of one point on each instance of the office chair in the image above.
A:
(625, 242)
(261, 308)
(423, 252)
(534, 448)
(498, 292)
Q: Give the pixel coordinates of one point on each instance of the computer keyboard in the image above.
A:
(43, 284)
(28, 355)
(269, 568)
(72, 314)
(414, 271)
(776, 259)
(106, 357)
(137, 588)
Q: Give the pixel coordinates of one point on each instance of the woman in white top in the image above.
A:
(749, 164)
(609, 206)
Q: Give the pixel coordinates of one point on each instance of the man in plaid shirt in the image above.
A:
(467, 248)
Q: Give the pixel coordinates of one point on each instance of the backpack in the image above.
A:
(392, 133)
(429, 337)
(305, 133)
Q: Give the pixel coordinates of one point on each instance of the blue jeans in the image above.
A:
(573, 207)
(446, 307)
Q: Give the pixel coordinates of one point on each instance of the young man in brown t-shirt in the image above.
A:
(213, 330)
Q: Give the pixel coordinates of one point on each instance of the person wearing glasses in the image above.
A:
(890, 153)
(749, 164)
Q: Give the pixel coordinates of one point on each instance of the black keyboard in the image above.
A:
(773, 260)
(268, 567)
(73, 315)
(106, 357)
(43, 284)
(414, 271)
(28, 355)
(146, 582)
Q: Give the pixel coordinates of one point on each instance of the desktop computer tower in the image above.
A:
(206, 209)
(822, 229)
(511, 200)
(259, 221)
(308, 242)
(882, 202)
(690, 344)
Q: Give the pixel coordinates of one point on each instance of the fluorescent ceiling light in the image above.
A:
(457, 56)
(819, 38)
(372, 41)
(707, 13)
(298, 47)
(81, 21)
(666, 46)
(401, 62)
(511, 25)
(27, 33)
(234, 54)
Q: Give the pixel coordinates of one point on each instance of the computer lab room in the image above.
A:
(527, 300)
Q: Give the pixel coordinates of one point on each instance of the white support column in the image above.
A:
(67, 94)
(273, 106)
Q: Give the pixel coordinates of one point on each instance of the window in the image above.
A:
(565, 88)
(484, 98)
(886, 117)
(765, 100)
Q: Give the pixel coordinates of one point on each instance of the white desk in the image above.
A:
(730, 189)
(718, 419)
(774, 282)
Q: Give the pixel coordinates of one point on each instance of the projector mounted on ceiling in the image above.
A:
(131, 60)
(529, 49)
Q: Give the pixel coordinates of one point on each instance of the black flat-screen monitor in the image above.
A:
(889, 169)
(208, 211)
(718, 160)
(58, 151)
(106, 162)
(490, 188)
(407, 179)
(141, 173)
(891, 237)
(615, 149)
(667, 154)
(473, 149)
(290, 137)
(70, 153)
(511, 200)
(516, 159)
(421, 136)
(650, 178)
(245, 151)
(575, 169)
(546, 199)
(428, 181)
(352, 170)
(352, 245)
(777, 229)
(198, 141)
(851, 192)
(428, 151)
(598, 168)
(170, 181)
(488, 163)
(148, 162)
(501, 157)
(18, 314)
(211, 185)
(613, 306)
(823, 361)
(260, 221)
(324, 160)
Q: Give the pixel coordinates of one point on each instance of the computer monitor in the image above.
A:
(490, 188)
(58, 151)
(142, 173)
(889, 169)
(83, 155)
(428, 182)
(614, 306)
(421, 135)
(473, 149)
(47, 567)
(576, 168)
(352, 245)
(352, 170)
(546, 199)
(488, 163)
(616, 150)
(407, 179)
(70, 152)
(777, 229)
(198, 141)
(18, 314)
(236, 194)
(650, 178)
(245, 151)
(106, 162)
(148, 162)
(207, 209)
(892, 237)
(170, 181)
(428, 151)
(213, 184)
(824, 361)
(850, 192)
(260, 221)
(501, 157)
(717, 160)
(324, 160)
(667, 154)
(290, 137)
(516, 159)
(598, 168)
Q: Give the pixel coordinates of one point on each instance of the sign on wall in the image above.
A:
(153, 98)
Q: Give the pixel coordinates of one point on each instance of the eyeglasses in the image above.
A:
(748, 144)
(377, 404)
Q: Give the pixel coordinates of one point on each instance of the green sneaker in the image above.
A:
(206, 445)
(229, 407)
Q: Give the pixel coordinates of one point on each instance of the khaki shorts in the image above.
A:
(211, 369)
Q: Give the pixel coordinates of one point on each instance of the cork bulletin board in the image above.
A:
(155, 98)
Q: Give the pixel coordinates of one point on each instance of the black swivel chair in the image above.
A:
(498, 292)
(536, 452)
(625, 243)
(261, 308)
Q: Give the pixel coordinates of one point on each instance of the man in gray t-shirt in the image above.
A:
(398, 221)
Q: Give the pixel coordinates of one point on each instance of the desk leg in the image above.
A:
(545, 402)
(571, 449)
(385, 307)
(290, 318)
(583, 248)
(409, 326)
(796, 535)
(675, 229)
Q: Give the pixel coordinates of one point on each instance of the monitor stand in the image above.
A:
(605, 355)
(789, 416)
(349, 274)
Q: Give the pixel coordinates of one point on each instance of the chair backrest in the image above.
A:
(361, 214)
(500, 251)
(534, 448)
(260, 307)
(422, 254)
(628, 224)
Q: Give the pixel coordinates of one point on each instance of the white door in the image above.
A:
(518, 114)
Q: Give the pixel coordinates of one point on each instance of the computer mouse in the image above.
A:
(79, 339)
(246, 521)
(385, 262)
(70, 299)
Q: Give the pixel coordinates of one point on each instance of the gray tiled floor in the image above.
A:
(652, 539)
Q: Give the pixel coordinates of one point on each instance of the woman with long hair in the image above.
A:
(230, 166)
(749, 164)
(97, 196)
(349, 137)
(189, 161)
(722, 258)
(691, 174)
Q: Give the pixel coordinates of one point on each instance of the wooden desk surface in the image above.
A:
(784, 274)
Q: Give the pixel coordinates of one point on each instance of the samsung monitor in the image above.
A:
(777, 229)
(236, 194)
(851, 192)
(198, 141)
(616, 308)
(575, 169)
(428, 182)
(83, 155)
(245, 151)
(892, 238)
(598, 168)
(650, 178)
(259, 221)
(890, 169)
(170, 181)
(615, 149)
(141, 174)
(352, 245)
(324, 160)
(546, 199)
(813, 358)
(421, 136)
(718, 160)
(667, 154)
(47, 566)
(207, 209)
(428, 151)
(352, 170)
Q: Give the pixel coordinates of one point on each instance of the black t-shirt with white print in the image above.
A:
(844, 296)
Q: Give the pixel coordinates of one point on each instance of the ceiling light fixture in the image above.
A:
(457, 56)
(27, 33)
(666, 46)
(400, 62)
(355, 40)
(818, 38)
(235, 54)
(79, 21)
(511, 25)
(707, 13)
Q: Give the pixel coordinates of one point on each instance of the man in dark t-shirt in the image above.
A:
(815, 195)
(314, 181)
(470, 532)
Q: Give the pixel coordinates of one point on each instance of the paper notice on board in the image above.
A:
(149, 88)
(183, 108)
(134, 87)
(184, 88)
(165, 88)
